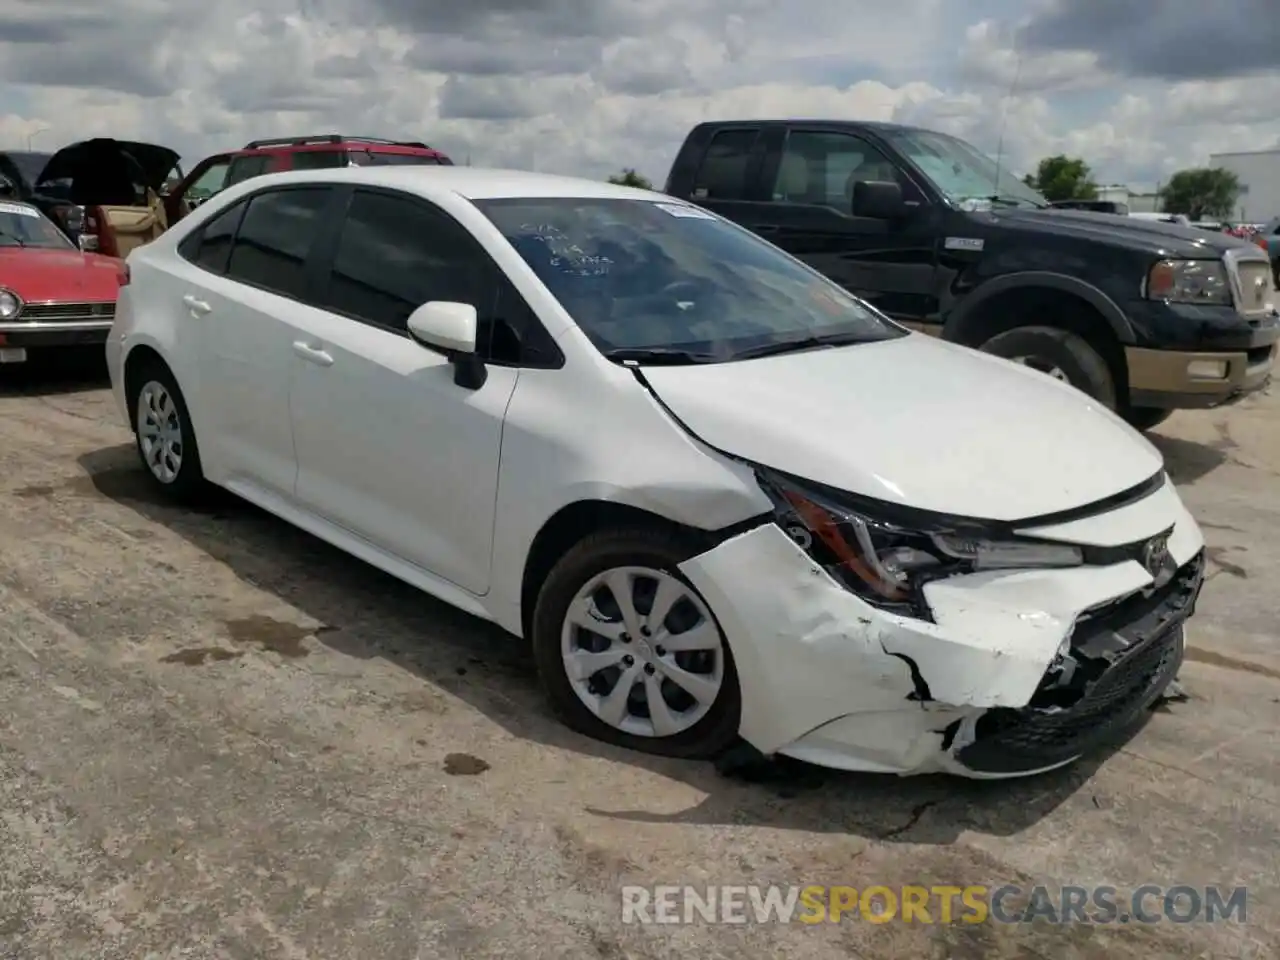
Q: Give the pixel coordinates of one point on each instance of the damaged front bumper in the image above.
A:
(1021, 671)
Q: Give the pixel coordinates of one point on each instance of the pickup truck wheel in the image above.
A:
(1060, 354)
(1145, 418)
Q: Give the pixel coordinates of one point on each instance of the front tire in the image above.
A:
(165, 439)
(630, 653)
(1146, 418)
(1061, 354)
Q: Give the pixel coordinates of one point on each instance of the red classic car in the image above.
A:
(51, 294)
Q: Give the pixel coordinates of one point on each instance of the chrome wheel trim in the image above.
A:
(643, 652)
(1048, 369)
(159, 432)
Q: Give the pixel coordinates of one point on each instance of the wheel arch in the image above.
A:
(967, 320)
(1052, 300)
(575, 521)
(140, 357)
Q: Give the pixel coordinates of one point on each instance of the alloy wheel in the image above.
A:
(643, 652)
(159, 432)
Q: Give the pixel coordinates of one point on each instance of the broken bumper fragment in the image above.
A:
(1017, 671)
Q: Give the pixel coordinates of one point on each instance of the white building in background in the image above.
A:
(1259, 173)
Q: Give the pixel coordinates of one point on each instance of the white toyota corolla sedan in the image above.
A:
(722, 498)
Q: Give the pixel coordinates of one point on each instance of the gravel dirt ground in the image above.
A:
(221, 738)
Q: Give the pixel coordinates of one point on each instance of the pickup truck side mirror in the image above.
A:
(878, 200)
(451, 329)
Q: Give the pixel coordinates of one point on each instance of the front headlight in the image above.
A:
(888, 563)
(10, 305)
(1189, 281)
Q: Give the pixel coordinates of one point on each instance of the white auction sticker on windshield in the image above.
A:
(684, 210)
(19, 209)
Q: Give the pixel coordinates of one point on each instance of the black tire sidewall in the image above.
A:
(1084, 367)
(1146, 418)
(657, 550)
(188, 486)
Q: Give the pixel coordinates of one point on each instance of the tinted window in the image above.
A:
(367, 158)
(723, 175)
(821, 168)
(318, 159)
(667, 276)
(210, 247)
(270, 250)
(396, 254)
(242, 168)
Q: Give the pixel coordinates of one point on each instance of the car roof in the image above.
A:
(471, 183)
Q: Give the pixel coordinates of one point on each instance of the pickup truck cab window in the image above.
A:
(723, 173)
(821, 168)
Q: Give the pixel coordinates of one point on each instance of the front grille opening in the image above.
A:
(1119, 658)
(67, 312)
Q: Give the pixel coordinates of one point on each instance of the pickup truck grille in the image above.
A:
(1252, 282)
(67, 312)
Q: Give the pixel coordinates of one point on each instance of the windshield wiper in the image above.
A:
(805, 343)
(7, 235)
(654, 356)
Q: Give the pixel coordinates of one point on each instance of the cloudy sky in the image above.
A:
(1137, 87)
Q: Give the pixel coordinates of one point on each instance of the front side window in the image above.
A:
(395, 254)
(960, 171)
(275, 236)
(244, 168)
(318, 159)
(25, 226)
(668, 278)
(822, 167)
(208, 183)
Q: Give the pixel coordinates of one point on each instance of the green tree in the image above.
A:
(1063, 178)
(1201, 192)
(629, 178)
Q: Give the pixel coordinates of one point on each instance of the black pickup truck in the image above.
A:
(1146, 317)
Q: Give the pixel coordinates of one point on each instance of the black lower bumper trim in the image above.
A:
(53, 337)
(1117, 694)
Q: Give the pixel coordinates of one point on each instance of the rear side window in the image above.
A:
(275, 236)
(242, 168)
(318, 159)
(723, 174)
(210, 247)
(372, 159)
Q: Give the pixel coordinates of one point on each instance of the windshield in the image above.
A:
(643, 275)
(960, 171)
(24, 226)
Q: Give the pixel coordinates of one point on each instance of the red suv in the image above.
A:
(257, 157)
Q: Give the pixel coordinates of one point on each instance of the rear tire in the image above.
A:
(164, 436)
(645, 564)
(1146, 418)
(1058, 353)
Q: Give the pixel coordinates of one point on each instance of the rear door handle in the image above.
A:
(196, 305)
(312, 354)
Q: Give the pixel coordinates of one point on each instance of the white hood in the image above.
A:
(915, 421)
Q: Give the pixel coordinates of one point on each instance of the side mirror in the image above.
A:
(878, 200)
(451, 329)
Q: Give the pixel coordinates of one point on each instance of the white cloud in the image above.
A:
(588, 87)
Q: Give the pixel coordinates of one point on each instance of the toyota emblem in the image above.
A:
(1155, 554)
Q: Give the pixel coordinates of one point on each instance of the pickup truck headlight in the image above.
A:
(888, 563)
(1189, 281)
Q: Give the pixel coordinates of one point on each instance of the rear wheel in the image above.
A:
(1060, 354)
(164, 436)
(630, 653)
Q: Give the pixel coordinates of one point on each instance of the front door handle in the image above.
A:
(312, 354)
(196, 305)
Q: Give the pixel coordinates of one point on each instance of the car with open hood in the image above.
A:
(724, 500)
(107, 192)
(52, 294)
